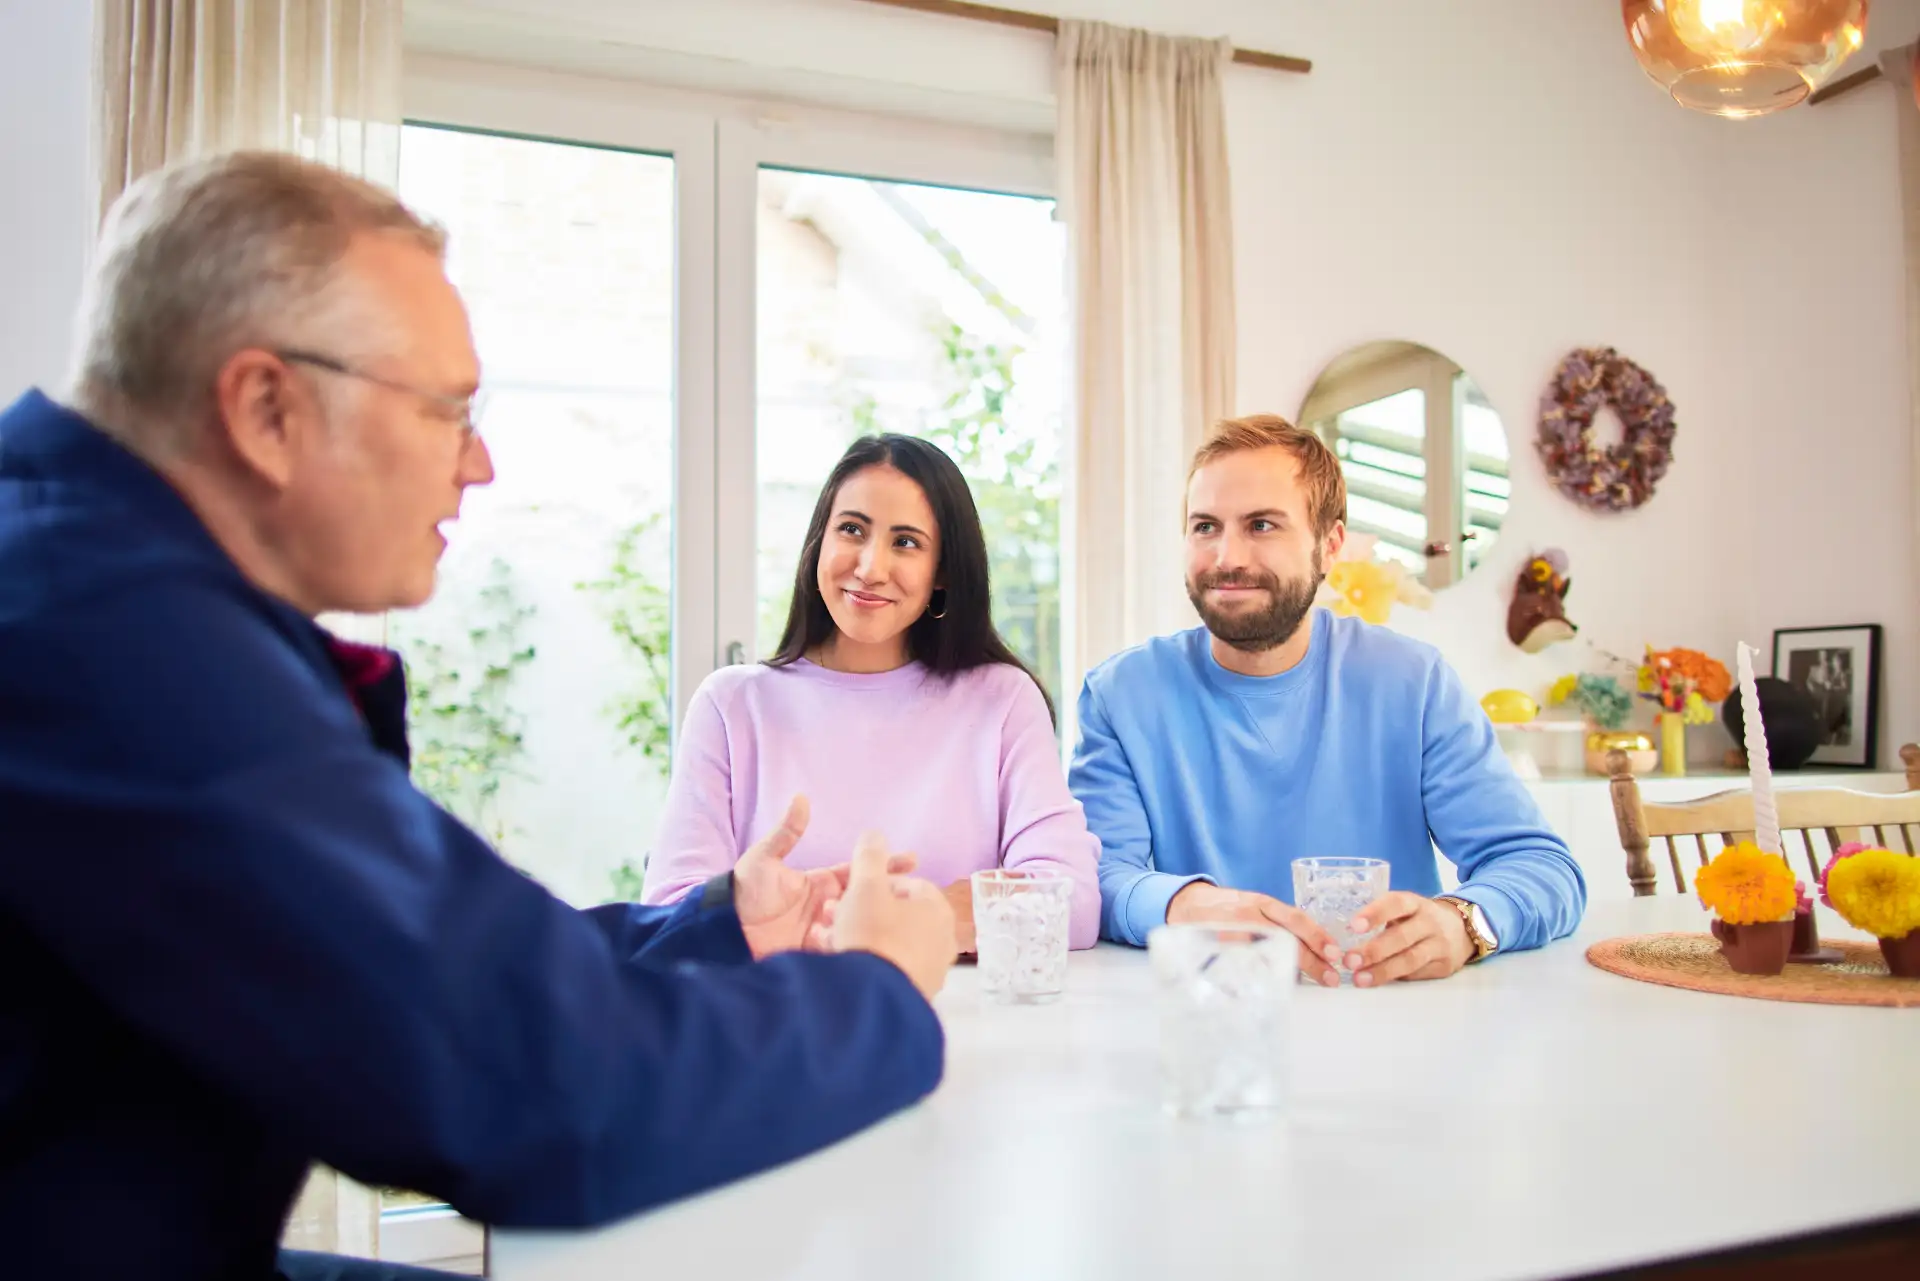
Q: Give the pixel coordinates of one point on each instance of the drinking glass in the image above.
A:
(1332, 891)
(1225, 996)
(1020, 933)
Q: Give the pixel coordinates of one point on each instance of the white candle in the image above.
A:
(1766, 820)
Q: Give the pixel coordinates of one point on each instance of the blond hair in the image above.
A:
(1319, 469)
(203, 258)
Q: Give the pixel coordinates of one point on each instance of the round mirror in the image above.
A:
(1424, 454)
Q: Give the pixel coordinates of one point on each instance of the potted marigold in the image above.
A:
(1878, 890)
(1751, 894)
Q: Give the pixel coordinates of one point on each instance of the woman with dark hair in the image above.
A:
(892, 705)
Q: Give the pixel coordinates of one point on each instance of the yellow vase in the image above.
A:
(1673, 744)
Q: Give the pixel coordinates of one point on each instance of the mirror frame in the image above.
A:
(1377, 369)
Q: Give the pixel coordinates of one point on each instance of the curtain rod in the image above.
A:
(1042, 22)
(1828, 92)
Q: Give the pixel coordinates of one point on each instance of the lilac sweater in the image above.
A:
(964, 773)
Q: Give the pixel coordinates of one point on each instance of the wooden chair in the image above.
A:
(1838, 814)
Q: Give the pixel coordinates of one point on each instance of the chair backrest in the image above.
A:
(1829, 816)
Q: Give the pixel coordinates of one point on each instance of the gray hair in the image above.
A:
(206, 257)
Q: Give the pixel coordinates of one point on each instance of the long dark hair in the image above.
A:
(963, 637)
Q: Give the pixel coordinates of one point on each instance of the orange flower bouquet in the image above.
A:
(1752, 895)
(1683, 682)
(1878, 890)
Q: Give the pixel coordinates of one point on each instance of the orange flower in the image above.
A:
(1745, 885)
(1709, 676)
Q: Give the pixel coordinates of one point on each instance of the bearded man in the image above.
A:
(1211, 759)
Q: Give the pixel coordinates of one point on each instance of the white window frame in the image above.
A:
(719, 144)
(537, 105)
(834, 143)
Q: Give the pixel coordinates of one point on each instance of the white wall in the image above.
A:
(44, 55)
(1498, 181)
(1504, 192)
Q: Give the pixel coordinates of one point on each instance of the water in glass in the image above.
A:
(1333, 891)
(1225, 998)
(1020, 933)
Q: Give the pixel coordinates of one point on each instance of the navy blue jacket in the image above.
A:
(234, 939)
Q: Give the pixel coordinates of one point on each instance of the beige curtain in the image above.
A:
(1897, 65)
(179, 78)
(1142, 152)
(176, 78)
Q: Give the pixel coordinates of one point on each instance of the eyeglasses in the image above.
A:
(463, 410)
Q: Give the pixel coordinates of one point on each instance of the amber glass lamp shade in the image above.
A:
(1743, 57)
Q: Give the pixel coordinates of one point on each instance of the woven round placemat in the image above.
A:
(1693, 961)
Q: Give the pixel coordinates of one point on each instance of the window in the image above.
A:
(1486, 485)
(539, 676)
(928, 311)
(1382, 447)
(683, 318)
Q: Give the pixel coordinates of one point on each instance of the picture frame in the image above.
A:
(1838, 669)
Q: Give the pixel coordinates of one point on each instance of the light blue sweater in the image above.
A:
(1371, 747)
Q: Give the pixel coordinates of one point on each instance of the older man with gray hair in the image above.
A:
(234, 939)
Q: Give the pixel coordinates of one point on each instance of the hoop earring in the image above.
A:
(940, 613)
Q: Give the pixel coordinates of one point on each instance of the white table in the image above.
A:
(1529, 1117)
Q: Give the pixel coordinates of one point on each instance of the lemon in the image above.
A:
(1509, 707)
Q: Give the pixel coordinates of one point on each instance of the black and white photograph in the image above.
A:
(1838, 669)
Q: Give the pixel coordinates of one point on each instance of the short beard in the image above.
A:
(1270, 628)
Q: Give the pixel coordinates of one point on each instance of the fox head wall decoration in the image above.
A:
(1538, 615)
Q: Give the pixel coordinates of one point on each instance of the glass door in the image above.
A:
(683, 319)
(888, 293)
(574, 608)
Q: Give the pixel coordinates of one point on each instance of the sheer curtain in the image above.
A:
(180, 78)
(1142, 151)
(177, 78)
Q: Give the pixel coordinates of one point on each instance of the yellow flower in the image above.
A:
(1561, 689)
(1698, 710)
(1362, 587)
(1877, 891)
(1744, 885)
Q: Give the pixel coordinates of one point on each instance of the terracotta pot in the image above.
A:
(1903, 955)
(1755, 949)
